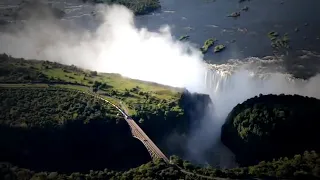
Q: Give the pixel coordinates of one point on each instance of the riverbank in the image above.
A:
(139, 7)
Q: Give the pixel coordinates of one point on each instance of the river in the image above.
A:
(203, 19)
(244, 36)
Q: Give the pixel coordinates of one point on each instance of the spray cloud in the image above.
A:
(116, 46)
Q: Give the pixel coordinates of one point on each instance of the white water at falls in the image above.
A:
(215, 81)
(227, 88)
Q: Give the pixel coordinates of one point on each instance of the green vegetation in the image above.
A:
(144, 100)
(139, 7)
(273, 35)
(210, 42)
(207, 44)
(185, 37)
(219, 48)
(133, 93)
(58, 130)
(277, 42)
(41, 103)
(305, 166)
(43, 107)
(272, 126)
(59, 127)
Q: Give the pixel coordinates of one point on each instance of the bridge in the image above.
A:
(138, 133)
(153, 150)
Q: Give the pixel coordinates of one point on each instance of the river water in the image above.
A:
(244, 36)
(203, 19)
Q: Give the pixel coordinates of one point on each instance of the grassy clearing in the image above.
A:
(131, 92)
(23, 85)
(74, 87)
(120, 83)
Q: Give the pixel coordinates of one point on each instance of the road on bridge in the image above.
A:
(138, 133)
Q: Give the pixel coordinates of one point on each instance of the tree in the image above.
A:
(93, 73)
(141, 120)
(102, 86)
(96, 84)
(270, 124)
(176, 160)
(94, 89)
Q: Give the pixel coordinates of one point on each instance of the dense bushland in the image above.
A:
(272, 126)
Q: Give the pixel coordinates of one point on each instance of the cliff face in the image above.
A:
(170, 132)
(194, 104)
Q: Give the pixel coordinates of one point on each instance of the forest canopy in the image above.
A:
(272, 126)
(304, 166)
(42, 107)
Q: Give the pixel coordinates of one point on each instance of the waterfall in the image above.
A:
(216, 81)
(229, 85)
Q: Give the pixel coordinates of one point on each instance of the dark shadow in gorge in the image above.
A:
(73, 147)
